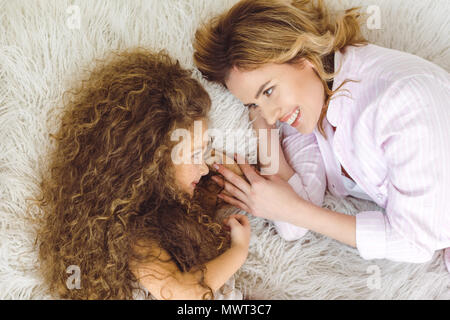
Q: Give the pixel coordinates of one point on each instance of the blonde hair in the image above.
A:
(256, 32)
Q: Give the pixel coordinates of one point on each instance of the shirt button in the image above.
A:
(333, 186)
(379, 196)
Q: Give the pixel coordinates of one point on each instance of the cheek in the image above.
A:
(289, 98)
(316, 88)
(183, 175)
(308, 88)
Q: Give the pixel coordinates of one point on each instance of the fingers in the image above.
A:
(225, 192)
(232, 177)
(232, 222)
(232, 165)
(249, 172)
(259, 122)
(230, 189)
(234, 202)
(222, 158)
(243, 220)
(236, 220)
(253, 113)
(274, 177)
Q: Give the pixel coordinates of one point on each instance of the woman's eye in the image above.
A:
(268, 92)
(252, 106)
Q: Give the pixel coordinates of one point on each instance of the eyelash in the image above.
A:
(203, 153)
(266, 93)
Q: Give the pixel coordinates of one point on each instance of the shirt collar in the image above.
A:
(332, 115)
(335, 109)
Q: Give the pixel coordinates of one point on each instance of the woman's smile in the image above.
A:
(296, 94)
(293, 118)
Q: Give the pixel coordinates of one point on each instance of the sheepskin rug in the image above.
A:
(45, 43)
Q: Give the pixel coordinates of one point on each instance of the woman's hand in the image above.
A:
(264, 134)
(273, 198)
(220, 157)
(258, 121)
(268, 197)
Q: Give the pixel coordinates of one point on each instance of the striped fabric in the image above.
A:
(392, 136)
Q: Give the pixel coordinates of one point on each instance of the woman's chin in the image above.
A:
(304, 129)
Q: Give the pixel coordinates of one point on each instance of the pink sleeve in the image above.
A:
(303, 155)
(414, 138)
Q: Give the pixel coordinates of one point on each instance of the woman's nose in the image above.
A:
(271, 114)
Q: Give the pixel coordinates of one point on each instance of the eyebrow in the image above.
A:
(261, 88)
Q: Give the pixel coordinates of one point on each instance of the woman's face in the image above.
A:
(291, 93)
(192, 152)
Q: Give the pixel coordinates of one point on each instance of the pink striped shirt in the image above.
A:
(393, 138)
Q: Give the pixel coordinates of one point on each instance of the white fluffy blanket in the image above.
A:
(41, 48)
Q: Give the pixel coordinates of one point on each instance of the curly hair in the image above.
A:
(109, 184)
(256, 32)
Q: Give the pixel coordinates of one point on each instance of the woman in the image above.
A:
(370, 122)
(115, 203)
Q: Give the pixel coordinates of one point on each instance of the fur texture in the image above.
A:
(40, 52)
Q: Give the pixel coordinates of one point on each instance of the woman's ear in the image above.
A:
(305, 63)
(310, 64)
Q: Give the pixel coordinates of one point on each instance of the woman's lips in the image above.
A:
(292, 118)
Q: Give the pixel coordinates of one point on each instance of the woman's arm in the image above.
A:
(275, 199)
(333, 224)
(413, 133)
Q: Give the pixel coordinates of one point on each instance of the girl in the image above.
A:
(117, 207)
(365, 121)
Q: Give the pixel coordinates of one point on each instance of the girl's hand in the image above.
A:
(240, 230)
(258, 121)
(268, 197)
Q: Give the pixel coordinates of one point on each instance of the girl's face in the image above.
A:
(193, 151)
(291, 93)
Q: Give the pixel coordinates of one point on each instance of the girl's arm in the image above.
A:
(164, 280)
